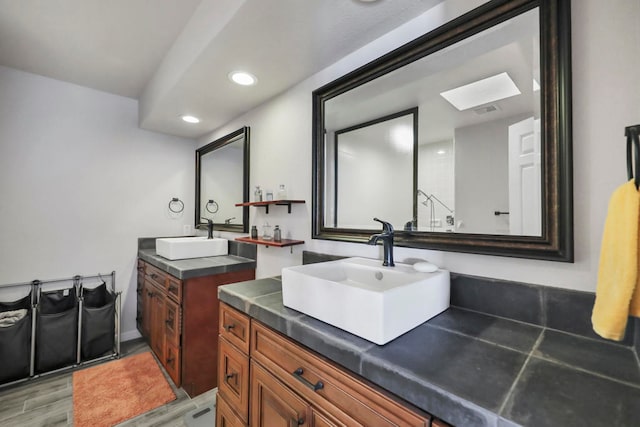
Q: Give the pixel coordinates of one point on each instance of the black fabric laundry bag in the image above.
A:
(15, 343)
(16, 305)
(56, 330)
(98, 322)
(95, 297)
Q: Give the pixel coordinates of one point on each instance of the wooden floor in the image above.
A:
(47, 401)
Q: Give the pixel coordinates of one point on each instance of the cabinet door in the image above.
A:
(225, 417)
(171, 321)
(274, 405)
(234, 378)
(172, 362)
(140, 298)
(156, 324)
(147, 310)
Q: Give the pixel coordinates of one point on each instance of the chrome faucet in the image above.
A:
(387, 241)
(228, 220)
(209, 228)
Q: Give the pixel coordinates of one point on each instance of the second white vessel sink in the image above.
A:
(364, 298)
(175, 248)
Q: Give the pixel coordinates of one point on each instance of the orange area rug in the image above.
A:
(116, 391)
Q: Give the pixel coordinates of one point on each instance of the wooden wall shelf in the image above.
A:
(281, 244)
(266, 204)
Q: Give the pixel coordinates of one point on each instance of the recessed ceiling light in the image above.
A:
(482, 92)
(190, 119)
(243, 78)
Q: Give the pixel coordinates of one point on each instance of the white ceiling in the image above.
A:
(174, 55)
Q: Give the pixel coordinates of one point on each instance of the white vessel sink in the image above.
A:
(191, 247)
(364, 298)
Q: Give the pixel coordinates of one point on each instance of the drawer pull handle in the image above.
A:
(315, 387)
(169, 360)
(228, 328)
(229, 376)
(300, 421)
(154, 276)
(173, 289)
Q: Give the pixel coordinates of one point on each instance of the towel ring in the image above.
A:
(631, 132)
(178, 201)
(213, 205)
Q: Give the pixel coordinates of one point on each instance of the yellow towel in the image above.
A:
(617, 294)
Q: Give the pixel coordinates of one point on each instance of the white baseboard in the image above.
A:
(130, 335)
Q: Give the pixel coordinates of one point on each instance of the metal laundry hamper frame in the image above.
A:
(76, 281)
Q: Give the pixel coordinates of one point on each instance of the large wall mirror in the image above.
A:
(461, 139)
(222, 181)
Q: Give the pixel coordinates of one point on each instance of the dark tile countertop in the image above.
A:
(470, 368)
(197, 267)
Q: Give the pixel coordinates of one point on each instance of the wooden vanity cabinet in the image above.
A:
(290, 385)
(179, 320)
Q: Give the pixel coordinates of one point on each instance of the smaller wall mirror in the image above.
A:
(222, 180)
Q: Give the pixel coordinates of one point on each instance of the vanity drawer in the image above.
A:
(174, 288)
(234, 327)
(155, 275)
(233, 378)
(326, 385)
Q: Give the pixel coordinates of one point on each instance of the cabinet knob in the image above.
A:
(229, 327)
(154, 276)
(229, 376)
(169, 360)
(173, 289)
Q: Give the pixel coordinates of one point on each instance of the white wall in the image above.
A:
(482, 170)
(606, 98)
(80, 182)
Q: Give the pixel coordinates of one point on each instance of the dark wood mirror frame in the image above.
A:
(556, 241)
(241, 134)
